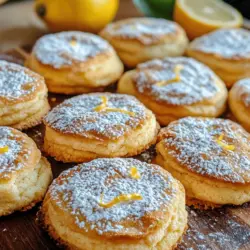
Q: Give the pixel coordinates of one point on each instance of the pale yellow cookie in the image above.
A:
(24, 174)
(75, 62)
(210, 157)
(23, 96)
(115, 204)
(226, 52)
(239, 102)
(99, 125)
(176, 87)
(137, 40)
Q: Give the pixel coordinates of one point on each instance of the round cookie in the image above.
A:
(23, 96)
(226, 52)
(239, 102)
(137, 40)
(24, 174)
(115, 204)
(210, 157)
(176, 87)
(75, 62)
(99, 125)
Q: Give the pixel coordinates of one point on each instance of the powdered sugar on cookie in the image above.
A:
(228, 43)
(15, 81)
(78, 116)
(244, 91)
(80, 190)
(195, 82)
(146, 30)
(10, 148)
(65, 48)
(210, 147)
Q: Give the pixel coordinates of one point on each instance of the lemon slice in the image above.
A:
(203, 16)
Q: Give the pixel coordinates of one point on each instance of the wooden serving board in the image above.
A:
(227, 228)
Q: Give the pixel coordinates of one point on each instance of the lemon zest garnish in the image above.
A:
(120, 110)
(73, 42)
(163, 83)
(4, 149)
(134, 173)
(103, 107)
(221, 137)
(119, 199)
(177, 78)
(223, 144)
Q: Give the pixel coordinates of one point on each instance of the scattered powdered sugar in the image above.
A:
(14, 81)
(225, 42)
(62, 49)
(8, 162)
(244, 90)
(77, 116)
(147, 30)
(79, 190)
(215, 229)
(193, 142)
(197, 82)
(203, 241)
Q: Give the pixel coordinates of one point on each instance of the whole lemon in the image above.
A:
(85, 15)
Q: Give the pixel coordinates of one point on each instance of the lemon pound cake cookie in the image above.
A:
(176, 87)
(75, 62)
(115, 204)
(239, 102)
(24, 174)
(210, 157)
(99, 125)
(23, 96)
(226, 51)
(137, 40)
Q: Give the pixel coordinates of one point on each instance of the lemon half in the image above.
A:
(199, 17)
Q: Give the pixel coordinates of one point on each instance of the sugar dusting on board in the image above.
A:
(14, 80)
(218, 229)
(225, 42)
(147, 30)
(202, 145)
(197, 82)
(244, 91)
(62, 49)
(106, 179)
(13, 147)
(78, 116)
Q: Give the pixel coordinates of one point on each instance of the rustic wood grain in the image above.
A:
(227, 228)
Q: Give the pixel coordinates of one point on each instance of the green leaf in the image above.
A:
(156, 8)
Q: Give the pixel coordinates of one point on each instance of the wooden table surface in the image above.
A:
(227, 228)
